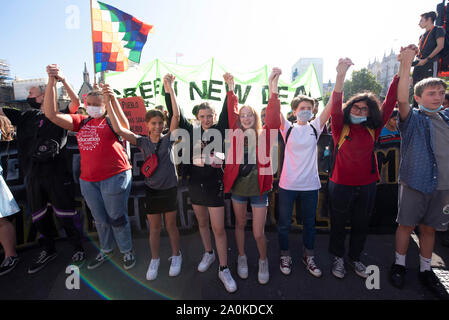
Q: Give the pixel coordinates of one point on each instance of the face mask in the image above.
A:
(422, 108)
(33, 104)
(94, 111)
(304, 115)
(357, 119)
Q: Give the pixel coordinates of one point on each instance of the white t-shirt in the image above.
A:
(300, 168)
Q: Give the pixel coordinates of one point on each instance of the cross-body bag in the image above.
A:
(151, 163)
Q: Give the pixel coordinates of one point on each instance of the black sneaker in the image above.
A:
(8, 264)
(78, 258)
(431, 282)
(397, 275)
(41, 261)
(129, 260)
(100, 259)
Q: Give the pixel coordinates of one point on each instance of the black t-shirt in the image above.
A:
(32, 129)
(428, 46)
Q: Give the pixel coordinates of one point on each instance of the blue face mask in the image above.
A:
(357, 119)
(304, 115)
(422, 108)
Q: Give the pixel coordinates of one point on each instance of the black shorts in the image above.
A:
(57, 190)
(161, 201)
(208, 195)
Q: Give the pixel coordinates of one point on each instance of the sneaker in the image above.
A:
(101, 258)
(431, 282)
(263, 276)
(41, 261)
(397, 276)
(78, 258)
(129, 260)
(359, 268)
(229, 283)
(152, 269)
(309, 261)
(286, 265)
(338, 268)
(208, 259)
(8, 265)
(242, 267)
(175, 267)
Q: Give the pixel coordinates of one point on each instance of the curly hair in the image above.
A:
(6, 128)
(374, 119)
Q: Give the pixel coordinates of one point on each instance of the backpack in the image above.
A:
(343, 137)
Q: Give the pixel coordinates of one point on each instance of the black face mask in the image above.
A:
(33, 103)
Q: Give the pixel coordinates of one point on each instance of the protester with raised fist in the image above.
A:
(105, 179)
(299, 176)
(352, 186)
(248, 175)
(423, 173)
(42, 157)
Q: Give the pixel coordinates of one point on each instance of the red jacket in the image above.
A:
(232, 166)
(353, 163)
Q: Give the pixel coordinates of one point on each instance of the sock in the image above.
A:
(222, 268)
(400, 259)
(285, 253)
(424, 263)
(210, 252)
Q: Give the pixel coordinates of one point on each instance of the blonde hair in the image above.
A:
(6, 128)
(257, 126)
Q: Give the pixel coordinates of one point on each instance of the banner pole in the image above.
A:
(93, 44)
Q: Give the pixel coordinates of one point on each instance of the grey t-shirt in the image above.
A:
(165, 176)
(441, 150)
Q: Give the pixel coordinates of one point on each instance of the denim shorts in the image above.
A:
(256, 201)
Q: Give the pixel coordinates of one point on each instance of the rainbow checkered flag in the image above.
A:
(118, 38)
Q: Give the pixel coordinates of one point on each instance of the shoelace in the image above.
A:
(360, 266)
(42, 255)
(128, 256)
(154, 265)
(78, 256)
(285, 262)
(242, 262)
(6, 262)
(311, 263)
(339, 264)
(263, 267)
(175, 260)
(100, 256)
(227, 275)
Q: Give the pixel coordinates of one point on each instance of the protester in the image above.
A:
(8, 207)
(161, 186)
(105, 179)
(430, 45)
(299, 177)
(423, 174)
(390, 133)
(446, 101)
(206, 185)
(262, 115)
(250, 177)
(42, 157)
(352, 185)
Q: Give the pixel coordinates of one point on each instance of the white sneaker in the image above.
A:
(152, 269)
(229, 283)
(175, 267)
(263, 275)
(242, 267)
(208, 259)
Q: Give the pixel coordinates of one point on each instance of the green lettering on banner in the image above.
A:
(283, 96)
(265, 95)
(202, 94)
(156, 84)
(143, 91)
(300, 91)
(212, 90)
(118, 93)
(238, 92)
(130, 92)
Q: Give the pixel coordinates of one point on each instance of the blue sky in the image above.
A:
(242, 34)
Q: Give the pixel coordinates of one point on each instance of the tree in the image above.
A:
(362, 80)
(326, 98)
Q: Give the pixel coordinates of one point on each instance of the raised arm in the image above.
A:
(168, 86)
(55, 70)
(337, 96)
(405, 57)
(233, 103)
(325, 115)
(183, 122)
(124, 132)
(274, 118)
(50, 107)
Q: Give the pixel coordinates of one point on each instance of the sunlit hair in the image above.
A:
(6, 128)
(154, 113)
(257, 124)
(432, 15)
(298, 99)
(374, 118)
(205, 106)
(428, 83)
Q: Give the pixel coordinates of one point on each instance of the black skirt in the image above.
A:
(161, 201)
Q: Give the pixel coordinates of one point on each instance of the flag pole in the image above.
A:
(93, 45)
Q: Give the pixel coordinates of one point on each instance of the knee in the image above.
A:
(219, 232)
(240, 224)
(426, 230)
(203, 223)
(170, 225)
(259, 236)
(118, 222)
(405, 229)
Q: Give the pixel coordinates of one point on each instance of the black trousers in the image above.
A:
(353, 204)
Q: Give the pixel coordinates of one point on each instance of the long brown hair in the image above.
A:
(257, 126)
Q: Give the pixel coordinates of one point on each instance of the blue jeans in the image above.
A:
(108, 202)
(256, 201)
(309, 202)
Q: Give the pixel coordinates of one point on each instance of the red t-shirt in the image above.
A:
(102, 155)
(353, 163)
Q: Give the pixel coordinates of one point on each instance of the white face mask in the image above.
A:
(94, 111)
